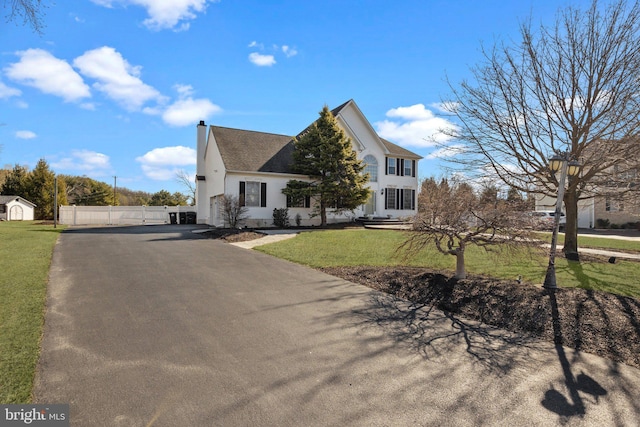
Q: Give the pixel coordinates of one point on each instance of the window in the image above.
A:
(400, 167)
(3, 208)
(304, 202)
(408, 168)
(408, 199)
(391, 166)
(390, 198)
(613, 205)
(371, 167)
(253, 193)
(401, 199)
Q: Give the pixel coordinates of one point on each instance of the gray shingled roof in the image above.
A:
(6, 199)
(396, 150)
(251, 151)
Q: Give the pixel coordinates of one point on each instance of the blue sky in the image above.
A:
(116, 87)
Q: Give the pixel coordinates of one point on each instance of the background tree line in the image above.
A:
(37, 186)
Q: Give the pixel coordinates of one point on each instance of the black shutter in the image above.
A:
(413, 169)
(401, 167)
(307, 202)
(386, 166)
(413, 198)
(398, 167)
(242, 193)
(263, 194)
(401, 201)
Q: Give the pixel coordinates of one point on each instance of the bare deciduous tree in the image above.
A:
(183, 178)
(572, 87)
(451, 217)
(233, 211)
(29, 11)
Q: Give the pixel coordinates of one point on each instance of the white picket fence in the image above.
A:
(124, 215)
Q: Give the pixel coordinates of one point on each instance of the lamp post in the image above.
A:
(559, 162)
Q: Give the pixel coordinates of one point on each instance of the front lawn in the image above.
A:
(25, 256)
(343, 248)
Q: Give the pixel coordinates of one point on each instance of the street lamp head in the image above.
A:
(573, 168)
(555, 163)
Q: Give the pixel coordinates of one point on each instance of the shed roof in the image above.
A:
(6, 199)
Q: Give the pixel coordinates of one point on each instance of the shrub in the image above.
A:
(281, 217)
(299, 220)
(233, 211)
(602, 223)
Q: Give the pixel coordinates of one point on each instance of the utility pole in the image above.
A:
(114, 191)
(55, 201)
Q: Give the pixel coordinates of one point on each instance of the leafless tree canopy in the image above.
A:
(451, 217)
(183, 178)
(571, 87)
(233, 211)
(28, 11)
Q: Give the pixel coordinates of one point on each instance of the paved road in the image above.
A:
(156, 326)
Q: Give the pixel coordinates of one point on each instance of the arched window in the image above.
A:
(371, 167)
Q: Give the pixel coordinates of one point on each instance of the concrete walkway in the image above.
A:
(270, 236)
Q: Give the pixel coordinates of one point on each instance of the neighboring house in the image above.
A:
(256, 166)
(15, 208)
(620, 202)
(612, 206)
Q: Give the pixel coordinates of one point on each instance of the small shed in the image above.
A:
(15, 208)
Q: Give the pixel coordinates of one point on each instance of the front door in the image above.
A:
(15, 213)
(370, 206)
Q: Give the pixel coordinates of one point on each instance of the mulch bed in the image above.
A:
(232, 235)
(595, 322)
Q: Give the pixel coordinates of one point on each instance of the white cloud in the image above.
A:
(183, 90)
(164, 163)
(261, 60)
(186, 110)
(39, 69)
(289, 51)
(414, 126)
(446, 152)
(116, 78)
(86, 161)
(7, 92)
(25, 134)
(164, 14)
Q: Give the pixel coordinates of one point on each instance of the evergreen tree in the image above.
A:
(40, 190)
(164, 198)
(15, 183)
(325, 154)
(84, 191)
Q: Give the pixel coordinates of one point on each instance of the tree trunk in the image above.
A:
(460, 271)
(571, 227)
(323, 213)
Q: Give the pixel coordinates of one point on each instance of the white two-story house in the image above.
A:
(256, 166)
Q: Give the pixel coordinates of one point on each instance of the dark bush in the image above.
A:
(281, 217)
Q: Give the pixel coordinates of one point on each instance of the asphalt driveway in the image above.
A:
(158, 326)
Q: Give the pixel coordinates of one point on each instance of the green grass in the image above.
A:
(598, 242)
(25, 256)
(334, 248)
